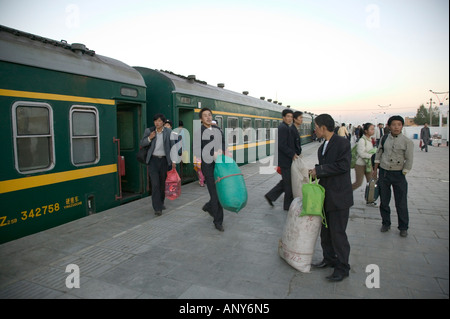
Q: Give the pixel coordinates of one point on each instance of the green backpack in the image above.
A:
(313, 200)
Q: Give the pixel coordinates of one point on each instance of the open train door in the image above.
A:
(129, 130)
(187, 169)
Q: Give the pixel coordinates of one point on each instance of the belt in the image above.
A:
(158, 156)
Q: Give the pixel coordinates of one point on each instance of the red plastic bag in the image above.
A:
(173, 184)
(421, 143)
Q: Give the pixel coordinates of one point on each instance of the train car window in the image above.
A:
(247, 130)
(232, 123)
(267, 127)
(33, 134)
(219, 120)
(274, 124)
(258, 126)
(84, 135)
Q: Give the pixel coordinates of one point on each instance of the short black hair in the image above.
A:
(297, 114)
(286, 112)
(396, 118)
(159, 116)
(325, 120)
(203, 110)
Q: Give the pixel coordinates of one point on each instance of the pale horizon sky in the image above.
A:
(344, 57)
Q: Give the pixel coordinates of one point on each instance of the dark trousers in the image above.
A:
(334, 241)
(213, 206)
(157, 170)
(285, 185)
(425, 145)
(397, 180)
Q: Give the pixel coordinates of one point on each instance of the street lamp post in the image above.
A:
(440, 109)
(431, 108)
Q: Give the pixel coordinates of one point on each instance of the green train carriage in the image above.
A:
(181, 98)
(64, 112)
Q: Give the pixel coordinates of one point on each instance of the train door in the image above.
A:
(187, 169)
(129, 128)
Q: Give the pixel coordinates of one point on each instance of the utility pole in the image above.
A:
(431, 106)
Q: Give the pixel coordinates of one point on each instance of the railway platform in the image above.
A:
(128, 252)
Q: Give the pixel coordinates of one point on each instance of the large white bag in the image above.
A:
(299, 238)
(299, 175)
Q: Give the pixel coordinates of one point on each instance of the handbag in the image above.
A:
(313, 200)
(173, 184)
(141, 155)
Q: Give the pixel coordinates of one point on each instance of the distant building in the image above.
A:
(409, 122)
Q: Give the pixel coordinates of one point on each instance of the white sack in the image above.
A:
(299, 238)
(299, 175)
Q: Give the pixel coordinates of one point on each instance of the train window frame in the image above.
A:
(247, 131)
(259, 137)
(219, 121)
(50, 135)
(96, 136)
(233, 132)
(267, 129)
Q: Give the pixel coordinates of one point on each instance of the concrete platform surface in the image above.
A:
(128, 252)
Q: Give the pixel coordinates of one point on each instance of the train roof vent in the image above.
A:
(279, 103)
(269, 100)
(221, 85)
(275, 102)
(191, 78)
(79, 48)
(245, 92)
(262, 98)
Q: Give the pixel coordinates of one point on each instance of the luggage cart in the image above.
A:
(436, 140)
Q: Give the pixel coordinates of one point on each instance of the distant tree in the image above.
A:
(423, 116)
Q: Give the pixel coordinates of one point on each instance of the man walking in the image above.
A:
(425, 136)
(287, 152)
(158, 159)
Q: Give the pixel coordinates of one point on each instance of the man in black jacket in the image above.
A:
(287, 152)
(212, 139)
(333, 171)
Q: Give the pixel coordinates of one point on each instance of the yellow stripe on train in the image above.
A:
(48, 179)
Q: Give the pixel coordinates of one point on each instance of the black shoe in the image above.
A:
(268, 200)
(322, 264)
(335, 277)
(385, 228)
(205, 209)
(403, 233)
(158, 213)
(219, 227)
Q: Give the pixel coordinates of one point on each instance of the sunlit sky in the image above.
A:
(353, 59)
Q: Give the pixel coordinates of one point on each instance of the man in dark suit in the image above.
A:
(286, 153)
(159, 159)
(333, 171)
